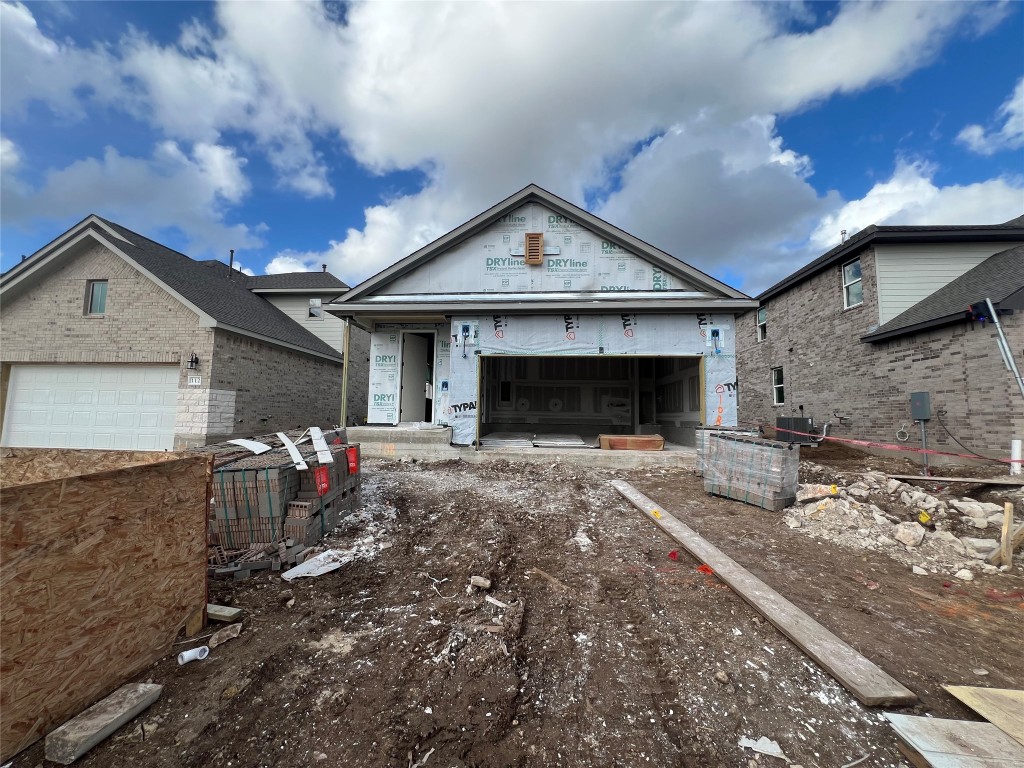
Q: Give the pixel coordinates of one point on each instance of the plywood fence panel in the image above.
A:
(98, 573)
(33, 465)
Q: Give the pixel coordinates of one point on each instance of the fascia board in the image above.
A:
(343, 309)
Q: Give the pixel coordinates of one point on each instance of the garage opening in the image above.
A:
(589, 396)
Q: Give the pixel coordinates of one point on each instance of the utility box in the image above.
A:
(787, 428)
(920, 406)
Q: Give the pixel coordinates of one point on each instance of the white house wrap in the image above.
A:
(604, 333)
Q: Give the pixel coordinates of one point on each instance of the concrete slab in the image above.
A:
(407, 441)
(80, 734)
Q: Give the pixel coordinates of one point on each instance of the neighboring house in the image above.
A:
(536, 316)
(111, 340)
(850, 336)
(302, 296)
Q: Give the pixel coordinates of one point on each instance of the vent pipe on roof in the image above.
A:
(324, 266)
(231, 263)
(842, 236)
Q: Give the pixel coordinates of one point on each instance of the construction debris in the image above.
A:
(221, 636)
(480, 581)
(323, 563)
(765, 746)
(223, 613)
(80, 734)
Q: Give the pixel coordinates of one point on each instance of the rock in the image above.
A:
(979, 548)
(285, 596)
(929, 503)
(989, 569)
(814, 492)
(910, 534)
(980, 671)
(792, 522)
(881, 520)
(996, 519)
(319, 756)
(885, 541)
(480, 581)
(990, 509)
(892, 486)
(919, 570)
(972, 508)
(722, 677)
(978, 522)
(860, 493)
(964, 575)
(947, 538)
(905, 498)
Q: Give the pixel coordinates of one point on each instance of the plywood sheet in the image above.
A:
(957, 743)
(33, 465)
(1002, 707)
(861, 677)
(98, 572)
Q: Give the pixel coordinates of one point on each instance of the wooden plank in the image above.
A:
(223, 613)
(957, 743)
(996, 556)
(971, 480)
(194, 623)
(1005, 537)
(1002, 707)
(857, 674)
(79, 735)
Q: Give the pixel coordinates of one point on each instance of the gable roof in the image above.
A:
(530, 194)
(220, 299)
(298, 282)
(999, 277)
(1012, 230)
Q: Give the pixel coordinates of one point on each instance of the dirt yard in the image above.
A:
(602, 650)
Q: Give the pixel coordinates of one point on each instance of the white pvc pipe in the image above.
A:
(1015, 456)
(199, 653)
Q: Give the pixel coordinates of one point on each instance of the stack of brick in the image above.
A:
(266, 504)
(704, 435)
(759, 472)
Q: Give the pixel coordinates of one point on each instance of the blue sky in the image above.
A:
(739, 137)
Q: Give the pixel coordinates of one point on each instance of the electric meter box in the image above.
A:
(920, 406)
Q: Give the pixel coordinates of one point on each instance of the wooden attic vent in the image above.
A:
(534, 249)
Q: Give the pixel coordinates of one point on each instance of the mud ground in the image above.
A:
(604, 652)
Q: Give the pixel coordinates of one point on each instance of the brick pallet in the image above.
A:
(755, 471)
(704, 434)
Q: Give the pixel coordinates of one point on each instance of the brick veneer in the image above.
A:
(828, 368)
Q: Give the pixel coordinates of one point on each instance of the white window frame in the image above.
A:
(778, 387)
(762, 323)
(848, 285)
(90, 286)
(318, 305)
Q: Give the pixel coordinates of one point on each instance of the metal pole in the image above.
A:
(924, 446)
(1004, 348)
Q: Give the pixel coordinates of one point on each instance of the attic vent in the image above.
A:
(534, 248)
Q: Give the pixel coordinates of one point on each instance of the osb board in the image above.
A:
(21, 466)
(98, 573)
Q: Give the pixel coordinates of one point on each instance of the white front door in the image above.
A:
(123, 407)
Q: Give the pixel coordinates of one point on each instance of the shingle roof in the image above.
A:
(299, 281)
(1010, 230)
(998, 277)
(227, 299)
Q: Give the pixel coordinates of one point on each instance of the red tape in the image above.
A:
(894, 447)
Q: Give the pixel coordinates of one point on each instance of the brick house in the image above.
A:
(848, 337)
(111, 340)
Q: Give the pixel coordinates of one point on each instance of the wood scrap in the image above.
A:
(549, 578)
(861, 677)
(1002, 707)
(930, 742)
(1006, 536)
(996, 556)
(971, 480)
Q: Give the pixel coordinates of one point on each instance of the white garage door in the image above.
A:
(125, 407)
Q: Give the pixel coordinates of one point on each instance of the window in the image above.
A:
(96, 297)
(762, 323)
(778, 390)
(853, 288)
(316, 311)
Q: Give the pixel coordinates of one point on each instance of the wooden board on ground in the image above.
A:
(857, 674)
(971, 480)
(996, 557)
(1002, 707)
(931, 742)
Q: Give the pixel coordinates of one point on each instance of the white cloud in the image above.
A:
(911, 197)
(484, 98)
(10, 157)
(168, 190)
(1008, 136)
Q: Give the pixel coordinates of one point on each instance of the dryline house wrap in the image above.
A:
(596, 330)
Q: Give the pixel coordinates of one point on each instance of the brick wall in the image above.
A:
(827, 368)
(275, 388)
